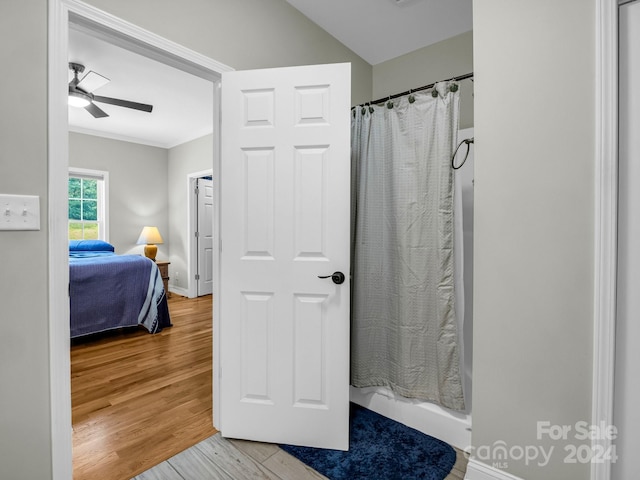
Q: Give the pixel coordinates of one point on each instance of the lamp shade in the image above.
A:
(150, 236)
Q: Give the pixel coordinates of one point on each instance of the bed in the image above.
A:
(109, 291)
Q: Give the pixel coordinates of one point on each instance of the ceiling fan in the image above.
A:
(80, 93)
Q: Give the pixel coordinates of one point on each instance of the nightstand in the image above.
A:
(164, 273)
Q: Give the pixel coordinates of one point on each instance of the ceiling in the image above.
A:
(379, 30)
(376, 30)
(182, 103)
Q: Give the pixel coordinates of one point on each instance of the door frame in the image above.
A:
(192, 215)
(605, 225)
(61, 14)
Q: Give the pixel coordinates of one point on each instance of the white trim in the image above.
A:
(178, 290)
(605, 241)
(103, 195)
(59, 328)
(120, 32)
(87, 173)
(479, 471)
(85, 16)
(192, 222)
(217, 249)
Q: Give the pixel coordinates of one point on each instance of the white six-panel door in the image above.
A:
(285, 177)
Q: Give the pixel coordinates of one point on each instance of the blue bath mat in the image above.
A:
(380, 448)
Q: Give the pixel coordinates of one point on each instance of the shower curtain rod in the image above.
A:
(413, 90)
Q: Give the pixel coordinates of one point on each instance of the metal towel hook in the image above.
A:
(467, 142)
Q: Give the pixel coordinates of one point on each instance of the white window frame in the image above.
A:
(103, 196)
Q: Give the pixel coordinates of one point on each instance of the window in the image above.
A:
(88, 204)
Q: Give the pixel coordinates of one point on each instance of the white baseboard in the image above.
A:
(479, 471)
(178, 290)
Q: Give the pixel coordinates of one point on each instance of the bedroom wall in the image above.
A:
(190, 157)
(440, 61)
(137, 187)
(534, 228)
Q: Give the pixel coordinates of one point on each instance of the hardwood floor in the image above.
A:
(141, 407)
(138, 399)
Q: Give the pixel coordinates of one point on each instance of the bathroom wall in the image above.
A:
(534, 64)
(440, 61)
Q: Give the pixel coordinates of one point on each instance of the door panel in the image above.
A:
(205, 236)
(285, 221)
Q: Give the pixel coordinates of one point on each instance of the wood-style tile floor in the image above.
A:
(217, 458)
(142, 408)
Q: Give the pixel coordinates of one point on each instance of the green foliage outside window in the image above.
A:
(83, 209)
(83, 231)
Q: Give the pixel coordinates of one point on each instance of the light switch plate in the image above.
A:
(19, 212)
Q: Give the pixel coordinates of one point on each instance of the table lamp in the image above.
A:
(149, 237)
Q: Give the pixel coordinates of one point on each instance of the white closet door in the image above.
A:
(205, 236)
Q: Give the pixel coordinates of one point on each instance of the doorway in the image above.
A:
(204, 235)
(62, 13)
(200, 206)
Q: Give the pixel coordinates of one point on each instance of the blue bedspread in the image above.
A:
(110, 291)
(89, 254)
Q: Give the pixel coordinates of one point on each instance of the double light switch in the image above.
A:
(19, 212)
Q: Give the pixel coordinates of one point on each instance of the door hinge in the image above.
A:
(197, 234)
(197, 190)
(197, 276)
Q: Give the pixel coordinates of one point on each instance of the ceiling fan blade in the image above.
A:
(92, 81)
(96, 111)
(123, 103)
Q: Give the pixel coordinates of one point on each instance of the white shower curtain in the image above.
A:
(404, 330)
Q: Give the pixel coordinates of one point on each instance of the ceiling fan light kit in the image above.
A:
(78, 99)
(81, 93)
